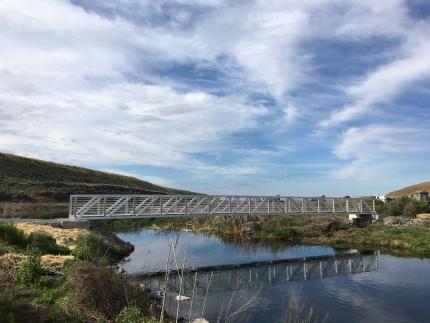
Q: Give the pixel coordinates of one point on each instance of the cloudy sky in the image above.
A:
(266, 97)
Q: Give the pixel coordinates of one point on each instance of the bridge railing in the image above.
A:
(150, 206)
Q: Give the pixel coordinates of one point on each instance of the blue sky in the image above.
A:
(266, 97)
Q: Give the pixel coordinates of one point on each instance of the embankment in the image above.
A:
(49, 274)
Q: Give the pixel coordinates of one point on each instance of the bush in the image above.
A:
(130, 314)
(101, 291)
(94, 248)
(414, 207)
(91, 248)
(9, 233)
(46, 244)
(31, 270)
(404, 206)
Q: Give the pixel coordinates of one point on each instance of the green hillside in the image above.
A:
(27, 179)
(410, 189)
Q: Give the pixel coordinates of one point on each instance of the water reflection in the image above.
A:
(152, 248)
(398, 291)
(228, 278)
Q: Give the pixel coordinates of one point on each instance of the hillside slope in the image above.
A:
(410, 189)
(27, 179)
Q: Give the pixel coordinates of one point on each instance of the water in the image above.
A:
(370, 288)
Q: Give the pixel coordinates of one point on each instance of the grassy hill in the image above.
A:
(27, 179)
(410, 189)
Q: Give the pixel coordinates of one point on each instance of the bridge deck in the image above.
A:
(164, 206)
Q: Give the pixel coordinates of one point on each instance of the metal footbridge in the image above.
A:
(98, 207)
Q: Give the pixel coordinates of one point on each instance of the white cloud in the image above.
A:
(379, 150)
(386, 82)
(80, 87)
(291, 113)
(65, 94)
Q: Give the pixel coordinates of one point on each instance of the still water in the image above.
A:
(372, 287)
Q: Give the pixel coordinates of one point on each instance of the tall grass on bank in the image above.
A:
(17, 240)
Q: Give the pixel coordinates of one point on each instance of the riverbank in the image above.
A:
(57, 275)
(335, 231)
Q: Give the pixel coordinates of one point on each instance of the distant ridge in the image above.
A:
(28, 179)
(410, 189)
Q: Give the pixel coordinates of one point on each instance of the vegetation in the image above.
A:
(404, 206)
(96, 248)
(31, 180)
(88, 290)
(30, 271)
(13, 239)
(313, 230)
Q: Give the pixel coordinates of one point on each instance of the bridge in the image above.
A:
(243, 276)
(103, 206)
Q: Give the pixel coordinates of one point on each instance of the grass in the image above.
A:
(31, 180)
(93, 247)
(87, 289)
(14, 239)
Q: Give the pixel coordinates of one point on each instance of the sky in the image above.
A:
(259, 97)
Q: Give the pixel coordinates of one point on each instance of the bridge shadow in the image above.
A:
(225, 278)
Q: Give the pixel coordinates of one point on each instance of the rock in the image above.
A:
(145, 288)
(201, 320)
(250, 227)
(362, 220)
(157, 295)
(423, 216)
(398, 221)
(182, 298)
(336, 226)
(392, 220)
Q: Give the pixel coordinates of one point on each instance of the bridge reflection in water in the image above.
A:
(244, 276)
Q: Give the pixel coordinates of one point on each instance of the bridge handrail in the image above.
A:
(99, 206)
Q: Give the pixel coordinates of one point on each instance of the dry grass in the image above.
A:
(12, 260)
(54, 261)
(64, 237)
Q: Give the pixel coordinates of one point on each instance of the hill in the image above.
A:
(32, 180)
(410, 189)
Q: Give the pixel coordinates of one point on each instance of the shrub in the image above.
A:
(9, 233)
(31, 270)
(414, 207)
(46, 244)
(91, 248)
(101, 291)
(130, 314)
(94, 248)
(404, 206)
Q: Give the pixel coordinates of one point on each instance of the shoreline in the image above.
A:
(37, 283)
(333, 231)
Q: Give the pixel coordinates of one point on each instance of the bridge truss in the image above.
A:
(104, 206)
